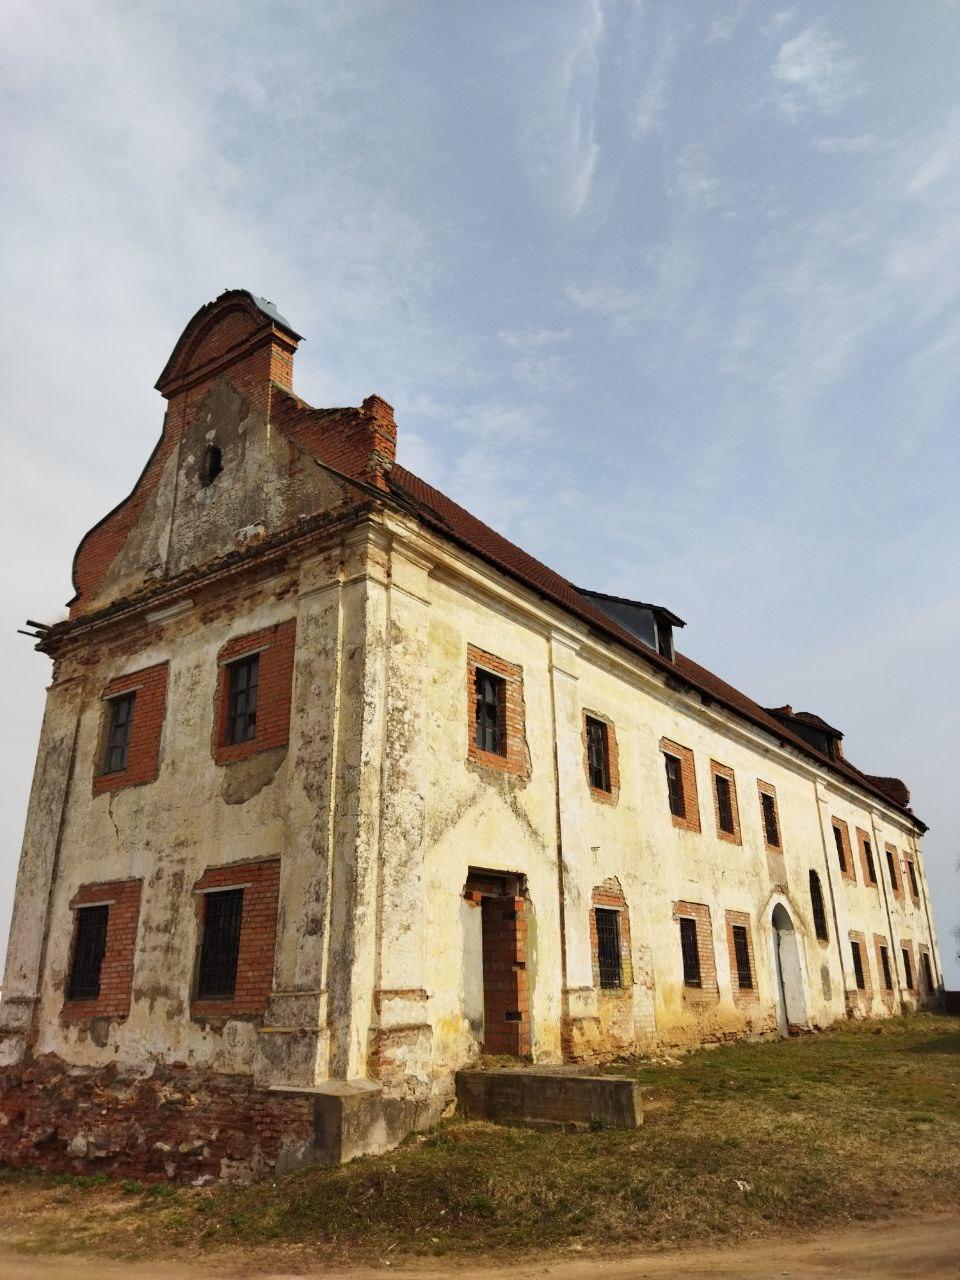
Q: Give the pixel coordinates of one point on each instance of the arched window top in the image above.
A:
(212, 465)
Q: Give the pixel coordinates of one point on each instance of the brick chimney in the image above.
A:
(377, 416)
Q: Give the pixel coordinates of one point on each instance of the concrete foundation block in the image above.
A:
(546, 1097)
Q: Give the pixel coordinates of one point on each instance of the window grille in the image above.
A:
(724, 803)
(690, 952)
(741, 947)
(89, 946)
(871, 869)
(598, 754)
(608, 946)
(907, 968)
(819, 914)
(118, 733)
(244, 676)
(858, 965)
(222, 914)
(770, 829)
(675, 786)
(491, 731)
(885, 966)
(914, 886)
(892, 868)
(927, 970)
(841, 853)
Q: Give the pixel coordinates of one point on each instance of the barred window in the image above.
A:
(841, 854)
(770, 829)
(858, 965)
(608, 946)
(914, 886)
(491, 695)
(675, 785)
(118, 732)
(724, 803)
(892, 868)
(220, 945)
(244, 677)
(819, 914)
(741, 948)
(598, 754)
(690, 952)
(907, 967)
(871, 869)
(885, 966)
(89, 946)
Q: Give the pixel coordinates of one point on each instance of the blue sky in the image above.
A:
(668, 292)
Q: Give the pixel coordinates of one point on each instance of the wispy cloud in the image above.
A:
(694, 181)
(653, 96)
(561, 144)
(857, 145)
(813, 72)
(724, 25)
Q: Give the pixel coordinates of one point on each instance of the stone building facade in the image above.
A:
(337, 789)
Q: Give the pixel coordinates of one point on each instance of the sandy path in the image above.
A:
(927, 1248)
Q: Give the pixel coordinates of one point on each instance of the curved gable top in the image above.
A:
(231, 321)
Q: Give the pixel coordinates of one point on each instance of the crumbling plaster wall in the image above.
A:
(479, 817)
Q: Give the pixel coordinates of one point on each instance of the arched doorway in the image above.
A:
(791, 1006)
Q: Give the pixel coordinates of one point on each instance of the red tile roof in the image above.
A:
(444, 515)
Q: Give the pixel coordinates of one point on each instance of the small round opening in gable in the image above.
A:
(212, 465)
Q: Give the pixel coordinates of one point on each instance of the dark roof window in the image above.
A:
(650, 623)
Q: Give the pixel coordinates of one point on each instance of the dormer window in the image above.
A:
(651, 624)
(212, 465)
(664, 638)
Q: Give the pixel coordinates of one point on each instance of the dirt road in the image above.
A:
(919, 1248)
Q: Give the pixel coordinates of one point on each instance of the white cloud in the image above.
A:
(695, 183)
(653, 98)
(814, 73)
(858, 145)
(723, 25)
(534, 339)
(560, 143)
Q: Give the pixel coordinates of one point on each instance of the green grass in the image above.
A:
(853, 1124)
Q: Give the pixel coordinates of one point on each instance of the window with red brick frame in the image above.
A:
(601, 758)
(743, 968)
(497, 740)
(893, 869)
(698, 914)
(263, 706)
(726, 811)
(131, 726)
(868, 859)
(841, 839)
(258, 884)
(681, 783)
(610, 937)
(770, 817)
(111, 978)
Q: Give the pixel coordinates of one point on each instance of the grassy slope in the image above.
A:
(851, 1124)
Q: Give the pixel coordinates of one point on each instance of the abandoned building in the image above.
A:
(338, 789)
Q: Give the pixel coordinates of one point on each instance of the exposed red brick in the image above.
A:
(116, 971)
(517, 758)
(258, 934)
(690, 820)
(700, 912)
(724, 771)
(613, 757)
(276, 646)
(146, 728)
